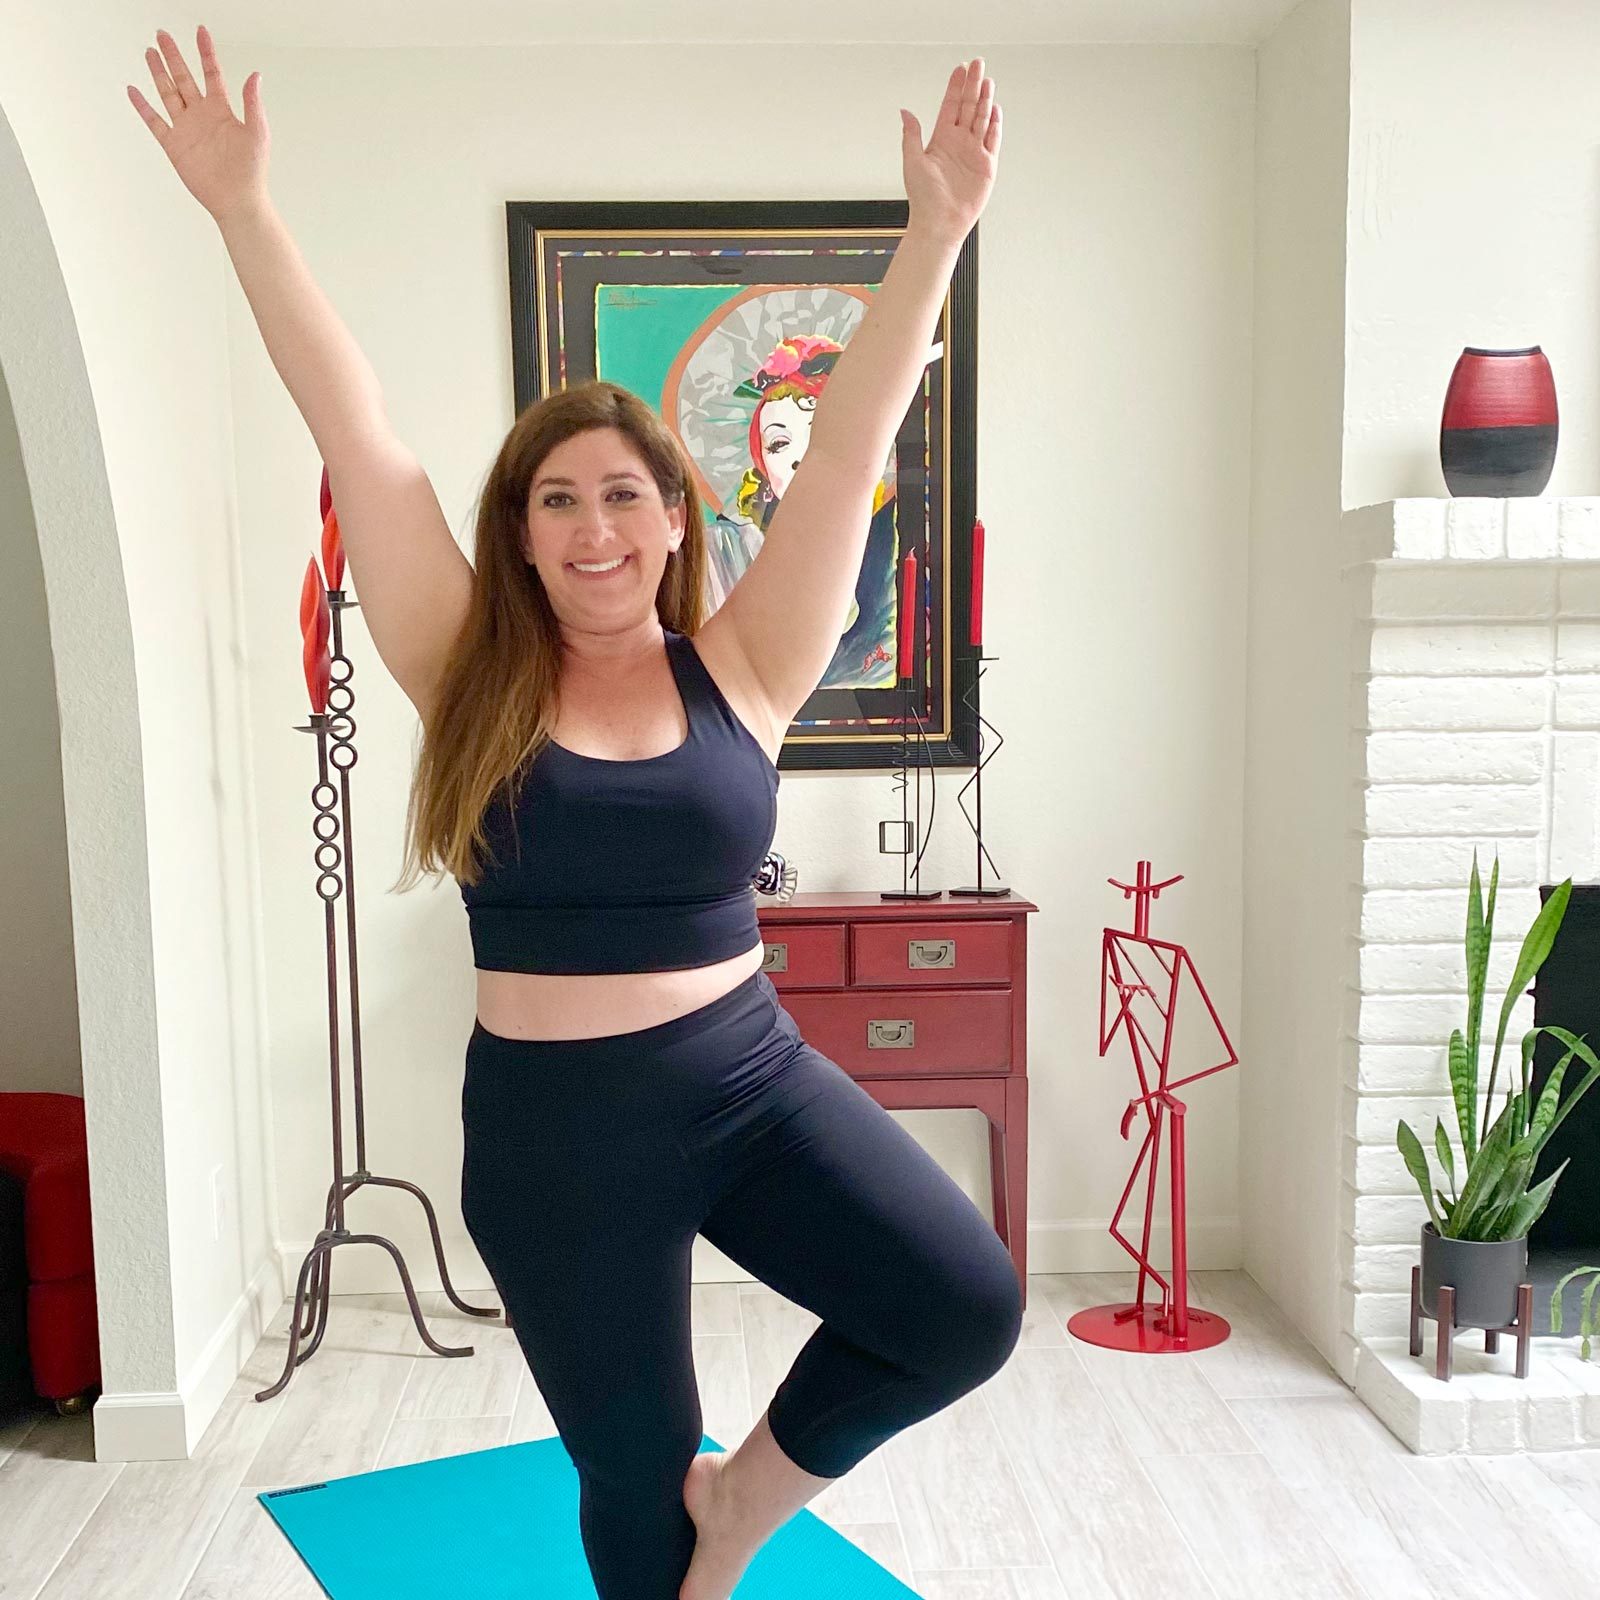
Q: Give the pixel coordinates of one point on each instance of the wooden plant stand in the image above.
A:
(1444, 1338)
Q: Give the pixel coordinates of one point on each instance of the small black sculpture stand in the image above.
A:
(908, 833)
(980, 889)
(1445, 1324)
(309, 1319)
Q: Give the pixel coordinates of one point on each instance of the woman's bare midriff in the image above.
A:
(543, 1005)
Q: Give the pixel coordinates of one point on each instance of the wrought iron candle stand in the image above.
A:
(1140, 1326)
(309, 1320)
(911, 834)
(970, 700)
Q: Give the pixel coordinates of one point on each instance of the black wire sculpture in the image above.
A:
(906, 836)
(975, 782)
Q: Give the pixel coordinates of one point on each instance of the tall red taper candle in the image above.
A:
(908, 611)
(977, 584)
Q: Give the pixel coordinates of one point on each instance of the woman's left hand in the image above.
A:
(948, 180)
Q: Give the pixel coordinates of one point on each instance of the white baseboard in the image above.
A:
(167, 1427)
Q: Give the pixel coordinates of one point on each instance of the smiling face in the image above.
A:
(597, 530)
(785, 435)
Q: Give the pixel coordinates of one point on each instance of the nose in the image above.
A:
(592, 532)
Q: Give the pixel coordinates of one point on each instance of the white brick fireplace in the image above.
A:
(1476, 710)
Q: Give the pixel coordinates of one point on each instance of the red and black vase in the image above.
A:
(1498, 434)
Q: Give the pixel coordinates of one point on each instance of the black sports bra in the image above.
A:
(630, 866)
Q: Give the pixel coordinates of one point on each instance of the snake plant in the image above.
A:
(1587, 1326)
(1493, 1199)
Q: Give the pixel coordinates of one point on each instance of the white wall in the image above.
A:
(1114, 411)
(1296, 948)
(1473, 170)
(38, 989)
(144, 273)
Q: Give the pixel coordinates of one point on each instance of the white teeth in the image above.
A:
(599, 566)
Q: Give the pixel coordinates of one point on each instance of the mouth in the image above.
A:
(596, 571)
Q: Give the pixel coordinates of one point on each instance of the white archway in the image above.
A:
(103, 790)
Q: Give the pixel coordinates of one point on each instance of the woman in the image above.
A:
(632, 1078)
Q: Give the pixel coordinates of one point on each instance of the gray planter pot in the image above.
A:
(1484, 1274)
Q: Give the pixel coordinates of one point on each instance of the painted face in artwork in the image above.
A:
(785, 435)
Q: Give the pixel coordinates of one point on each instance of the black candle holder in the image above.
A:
(912, 835)
(980, 889)
(335, 735)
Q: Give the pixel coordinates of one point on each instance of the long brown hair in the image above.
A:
(497, 693)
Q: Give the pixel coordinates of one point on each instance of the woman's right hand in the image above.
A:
(222, 161)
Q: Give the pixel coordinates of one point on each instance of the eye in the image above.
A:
(561, 494)
(777, 447)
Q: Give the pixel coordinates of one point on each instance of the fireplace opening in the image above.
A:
(1566, 992)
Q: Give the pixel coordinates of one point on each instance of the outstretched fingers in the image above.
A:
(153, 119)
(950, 106)
(178, 67)
(209, 65)
(165, 87)
(983, 108)
(970, 91)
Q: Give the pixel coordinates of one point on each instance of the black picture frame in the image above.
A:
(574, 262)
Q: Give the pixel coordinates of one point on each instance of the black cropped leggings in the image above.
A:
(589, 1167)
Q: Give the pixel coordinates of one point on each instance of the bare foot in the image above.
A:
(721, 1553)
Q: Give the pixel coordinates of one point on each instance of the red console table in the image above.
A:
(925, 1004)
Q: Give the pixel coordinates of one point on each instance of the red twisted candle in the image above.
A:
(314, 630)
(333, 551)
(908, 612)
(977, 584)
(332, 541)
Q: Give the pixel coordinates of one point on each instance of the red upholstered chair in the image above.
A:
(43, 1146)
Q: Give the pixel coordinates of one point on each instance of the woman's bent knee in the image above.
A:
(986, 1325)
(999, 1318)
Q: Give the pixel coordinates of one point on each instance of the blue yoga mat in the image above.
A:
(504, 1522)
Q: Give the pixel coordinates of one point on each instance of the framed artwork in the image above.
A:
(726, 317)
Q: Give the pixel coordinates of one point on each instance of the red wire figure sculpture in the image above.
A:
(1174, 1325)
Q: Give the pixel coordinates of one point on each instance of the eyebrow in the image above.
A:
(572, 483)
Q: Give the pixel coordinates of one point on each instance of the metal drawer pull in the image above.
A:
(931, 952)
(900, 1034)
(775, 958)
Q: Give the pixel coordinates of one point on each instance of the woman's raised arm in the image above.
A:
(223, 164)
(414, 582)
(786, 612)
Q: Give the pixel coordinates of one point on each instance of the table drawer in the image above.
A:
(805, 955)
(899, 953)
(905, 1032)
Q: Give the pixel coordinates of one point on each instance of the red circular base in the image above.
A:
(1143, 1328)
